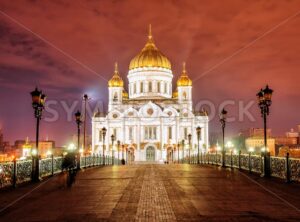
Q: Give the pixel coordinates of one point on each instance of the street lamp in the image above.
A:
(78, 122)
(123, 154)
(38, 104)
(118, 143)
(85, 99)
(112, 147)
(198, 130)
(182, 144)
(103, 131)
(223, 115)
(190, 144)
(264, 97)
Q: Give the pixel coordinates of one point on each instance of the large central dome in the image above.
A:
(150, 56)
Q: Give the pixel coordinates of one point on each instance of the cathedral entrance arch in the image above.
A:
(169, 154)
(150, 154)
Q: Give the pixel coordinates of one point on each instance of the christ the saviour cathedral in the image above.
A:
(150, 121)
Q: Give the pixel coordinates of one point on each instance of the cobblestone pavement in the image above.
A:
(156, 193)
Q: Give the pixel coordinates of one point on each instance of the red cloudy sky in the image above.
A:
(232, 49)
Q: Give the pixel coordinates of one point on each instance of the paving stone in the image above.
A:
(152, 192)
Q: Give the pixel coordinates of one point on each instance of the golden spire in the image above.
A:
(184, 80)
(116, 68)
(150, 32)
(183, 68)
(116, 80)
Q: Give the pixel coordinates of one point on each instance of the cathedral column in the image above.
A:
(161, 139)
(138, 139)
(177, 130)
(123, 131)
(193, 134)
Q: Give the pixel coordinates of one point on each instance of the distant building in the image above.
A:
(294, 151)
(256, 140)
(259, 132)
(258, 144)
(26, 148)
(4, 157)
(286, 141)
(289, 143)
(45, 147)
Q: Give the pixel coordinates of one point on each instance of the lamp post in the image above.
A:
(103, 131)
(85, 98)
(264, 97)
(223, 115)
(182, 145)
(118, 143)
(190, 144)
(112, 148)
(38, 104)
(198, 130)
(178, 145)
(78, 122)
(123, 151)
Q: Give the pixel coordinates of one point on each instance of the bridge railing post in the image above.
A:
(288, 170)
(14, 179)
(52, 164)
(62, 160)
(249, 162)
(239, 159)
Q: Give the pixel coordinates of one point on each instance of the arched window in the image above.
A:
(115, 97)
(158, 87)
(184, 95)
(150, 87)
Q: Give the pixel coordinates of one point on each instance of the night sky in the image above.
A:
(67, 48)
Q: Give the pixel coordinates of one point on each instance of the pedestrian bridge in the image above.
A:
(152, 192)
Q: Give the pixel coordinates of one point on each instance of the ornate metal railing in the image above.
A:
(256, 163)
(24, 169)
(281, 167)
(294, 169)
(20, 171)
(6, 174)
(278, 167)
(46, 167)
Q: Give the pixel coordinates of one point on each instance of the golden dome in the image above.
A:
(184, 80)
(116, 80)
(125, 94)
(150, 56)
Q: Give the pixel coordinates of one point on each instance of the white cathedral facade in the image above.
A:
(151, 121)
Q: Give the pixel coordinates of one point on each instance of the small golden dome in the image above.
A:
(150, 56)
(184, 80)
(125, 94)
(116, 80)
(175, 94)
